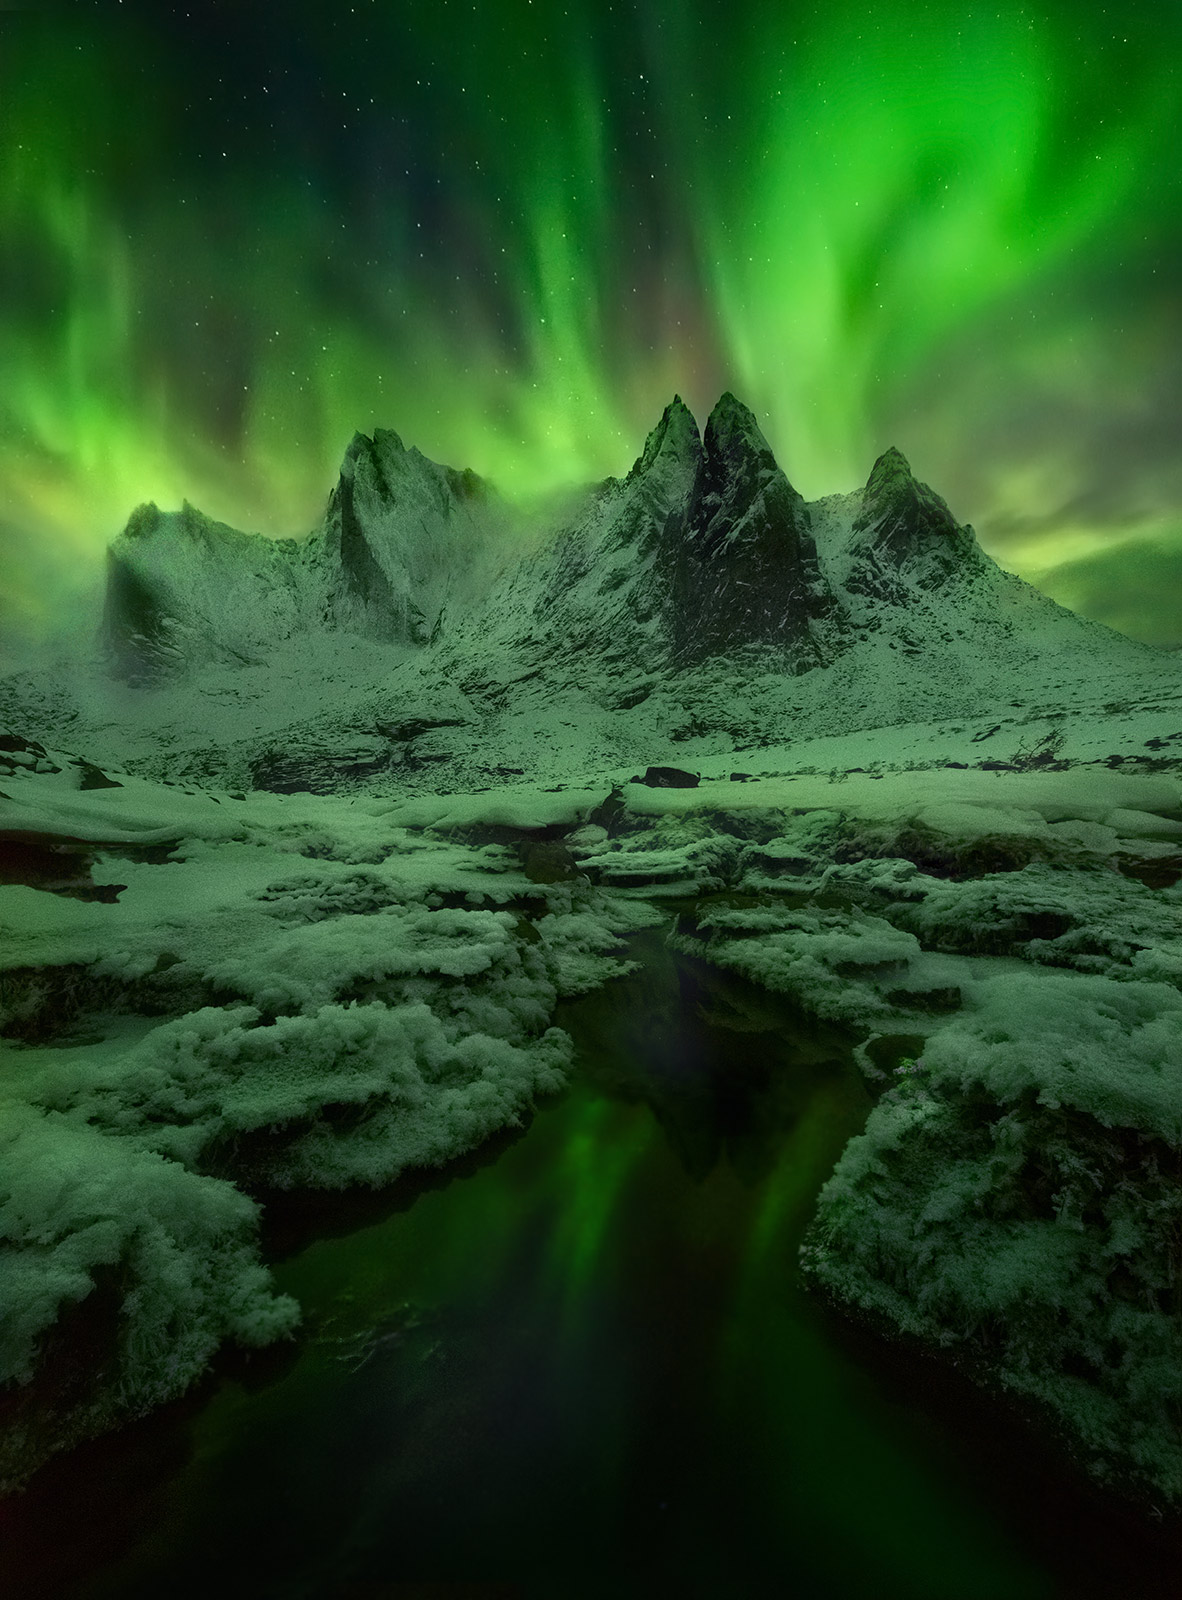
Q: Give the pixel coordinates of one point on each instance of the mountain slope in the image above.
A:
(183, 589)
(402, 540)
(703, 547)
(405, 540)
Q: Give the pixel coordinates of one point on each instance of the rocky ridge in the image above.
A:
(704, 548)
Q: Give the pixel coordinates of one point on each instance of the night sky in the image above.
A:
(231, 234)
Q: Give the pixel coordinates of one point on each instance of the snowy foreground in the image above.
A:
(209, 994)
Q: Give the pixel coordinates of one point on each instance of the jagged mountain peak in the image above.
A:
(675, 439)
(745, 565)
(904, 534)
(892, 467)
(704, 549)
(383, 446)
(383, 442)
(733, 433)
(904, 508)
(739, 467)
(383, 461)
(149, 523)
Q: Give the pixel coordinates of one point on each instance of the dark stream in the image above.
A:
(582, 1366)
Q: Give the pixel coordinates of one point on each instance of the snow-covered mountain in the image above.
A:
(703, 547)
(429, 632)
(401, 541)
(703, 550)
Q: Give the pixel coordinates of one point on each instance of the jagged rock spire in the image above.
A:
(733, 435)
(891, 467)
(907, 512)
(675, 438)
(745, 565)
(903, 526)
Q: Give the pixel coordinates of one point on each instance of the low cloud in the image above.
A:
(1133, 587)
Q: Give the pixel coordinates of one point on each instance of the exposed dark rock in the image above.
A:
(315, 771)
(608, 812)
(547, 861)
(634, 696)
(745, 565)
(94, 778)
(936, 1002)
(412, 727)
(18, 754)
(53, 862)
(670, 778)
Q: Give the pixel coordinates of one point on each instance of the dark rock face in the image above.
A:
(395, 523)
(407, 541)
(606, 582)
(95, 778)
(703, 548)
(311, 771)
(131, 618)
(904, 530)
(364, 586)
(746, 567)
(547, 861)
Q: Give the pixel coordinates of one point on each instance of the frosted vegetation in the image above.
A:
(316, 992)
(294, 994)
(1016, 1197)
(292, 905)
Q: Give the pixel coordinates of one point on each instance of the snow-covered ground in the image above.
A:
(268, 989)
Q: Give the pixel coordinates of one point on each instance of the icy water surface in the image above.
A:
(581, 1367)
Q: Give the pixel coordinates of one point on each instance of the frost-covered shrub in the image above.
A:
(832, 962)
(679, 855)
(1019, 1200)
(79, 1207)
(581, 937)
(1094, 921)
(72, 1201)
(232, 1020)
(347, 1094)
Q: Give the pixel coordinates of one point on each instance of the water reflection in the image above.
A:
(580, 1368)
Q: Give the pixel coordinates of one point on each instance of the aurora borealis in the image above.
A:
(230, 236)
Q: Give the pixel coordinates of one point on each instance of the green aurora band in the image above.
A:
(511, 230)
